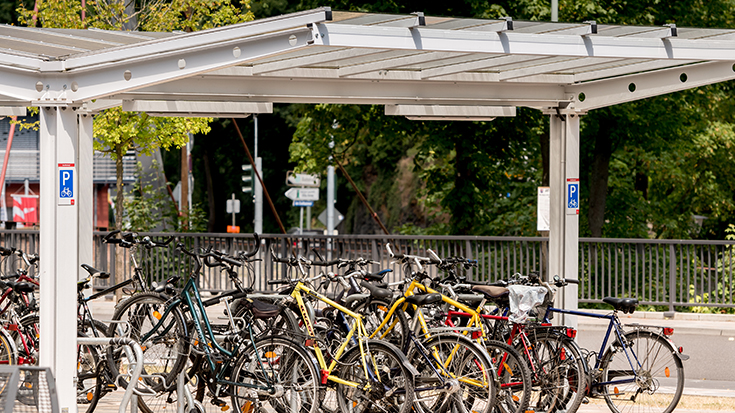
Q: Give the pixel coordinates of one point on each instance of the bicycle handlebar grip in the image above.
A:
(5, 251)
(326, 263)
(257, 246)
(277, 282)
(111, 234)
(231, 261)
(571, 280)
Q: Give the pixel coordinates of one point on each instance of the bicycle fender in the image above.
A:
(402, 357)
(674, 349)
(404, 360)
(11, 343)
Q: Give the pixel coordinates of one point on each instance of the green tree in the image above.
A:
(117, 132)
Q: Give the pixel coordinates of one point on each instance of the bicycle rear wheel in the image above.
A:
(465, 370)
(165, 352)
(559, 377)
(285, 364)
(649, 375)
(514, 378)
(389, 386)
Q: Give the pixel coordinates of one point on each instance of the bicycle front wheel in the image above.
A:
(558, 369)
(388, 387)
(284, 365)
(165, 344)
(455, 374)
(646, 375)
(514, 378)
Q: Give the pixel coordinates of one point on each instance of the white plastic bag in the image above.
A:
(523, 298)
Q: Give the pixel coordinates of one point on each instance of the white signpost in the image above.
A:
(305, 180)
(303, 194)
(302, 197)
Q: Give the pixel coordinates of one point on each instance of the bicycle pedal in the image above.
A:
(585, 401)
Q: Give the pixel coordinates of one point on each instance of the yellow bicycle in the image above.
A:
(363, 374)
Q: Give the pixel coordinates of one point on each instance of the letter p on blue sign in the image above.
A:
(572, 196)
(66, 184)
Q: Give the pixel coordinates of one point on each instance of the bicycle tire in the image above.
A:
(560, 378)
(659, 366)
(394, 332)
(290, 364)
(469, 371)
(89, 385)
(164, 355)
(391, 367)
(8, 352)
(514, 378)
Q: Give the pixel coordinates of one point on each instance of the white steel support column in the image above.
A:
(85, 200)
(564, 225)
(59, 235)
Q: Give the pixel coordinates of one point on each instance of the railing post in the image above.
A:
(672, 278)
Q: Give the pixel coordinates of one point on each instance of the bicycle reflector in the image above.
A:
(476, 335)
(571, 333)
(668, 331)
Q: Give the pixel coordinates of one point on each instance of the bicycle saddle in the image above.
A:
(262, 309)
(491, 292)
(95, 272)
(21, 287)
(626, 305)
(423, 299)
(376, 291)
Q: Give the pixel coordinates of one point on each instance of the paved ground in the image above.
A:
(700, 330)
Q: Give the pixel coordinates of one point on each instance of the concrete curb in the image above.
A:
(728, 318)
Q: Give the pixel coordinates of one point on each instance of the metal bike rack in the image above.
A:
(130, 392)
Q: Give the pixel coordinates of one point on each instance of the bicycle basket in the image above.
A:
(27, 389)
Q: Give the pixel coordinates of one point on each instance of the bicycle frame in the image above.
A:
(197, 310)
(357, 329)
(415, 285)
(615, 326)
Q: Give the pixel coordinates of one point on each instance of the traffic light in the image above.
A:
(247, 178)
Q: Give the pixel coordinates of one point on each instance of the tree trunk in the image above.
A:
(210, 193)
(599, 179)
(545, 148)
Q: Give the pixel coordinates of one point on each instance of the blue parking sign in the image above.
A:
(572, 196)
(66, 184)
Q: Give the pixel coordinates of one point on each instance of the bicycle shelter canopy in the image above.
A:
(418, 66)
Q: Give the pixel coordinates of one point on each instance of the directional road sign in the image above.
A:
(233, 206)
(308, 180)
(303, 194)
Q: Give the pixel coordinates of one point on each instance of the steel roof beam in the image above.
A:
(444, 112)
(349, 91)
(625, 69)
(211, 109)
(610, 92)
(425, 38)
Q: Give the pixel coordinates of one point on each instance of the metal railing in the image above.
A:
(671, 273)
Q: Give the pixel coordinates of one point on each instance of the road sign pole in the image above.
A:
(257, 188)
(301, 220)
(258, 193)
(308, 217)
(330, 200)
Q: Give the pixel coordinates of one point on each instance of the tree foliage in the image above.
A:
(117, 132)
